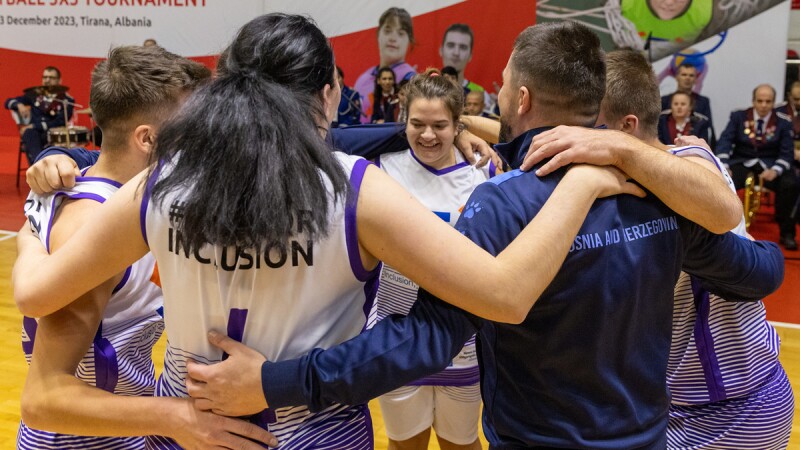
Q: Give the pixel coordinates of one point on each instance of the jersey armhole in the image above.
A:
(350, 224)
(148, 189)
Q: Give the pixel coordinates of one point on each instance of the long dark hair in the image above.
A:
(246, 149)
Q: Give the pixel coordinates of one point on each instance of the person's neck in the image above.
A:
(680, 120)
(535, 122)
(385, 63)
(654, 142)
(449, 160)
(118, 165)
(461, 78)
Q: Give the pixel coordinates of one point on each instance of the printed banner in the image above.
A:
(659, 27)
(74, 34)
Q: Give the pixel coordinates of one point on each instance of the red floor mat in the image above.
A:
(783, 305)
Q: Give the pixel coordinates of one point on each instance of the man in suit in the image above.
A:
(759, 140)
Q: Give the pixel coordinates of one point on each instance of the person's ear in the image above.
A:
(144, 138)
(525, 101)
(630, 124)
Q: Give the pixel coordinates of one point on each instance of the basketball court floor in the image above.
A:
(14, 368)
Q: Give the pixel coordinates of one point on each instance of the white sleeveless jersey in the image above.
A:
(720, 349)
(119, 360)
(281, 303)
(444, 192)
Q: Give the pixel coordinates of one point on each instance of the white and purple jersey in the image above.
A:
(283, 303)
(724, 351)
(444, 192)
(119, 360)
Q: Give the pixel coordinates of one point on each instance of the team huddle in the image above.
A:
(601, 293)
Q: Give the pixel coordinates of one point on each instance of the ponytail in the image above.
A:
(246, 153)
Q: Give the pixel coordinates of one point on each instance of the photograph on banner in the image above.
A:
(658, 27)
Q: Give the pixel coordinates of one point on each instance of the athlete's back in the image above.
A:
(727, 386)
(119, 360)
(282, 303)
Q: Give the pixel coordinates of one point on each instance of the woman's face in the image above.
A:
(680, 106)
(431, 132)
(392, 42)
(668, 9)
(386, 81)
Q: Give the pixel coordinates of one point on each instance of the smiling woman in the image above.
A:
(434, 172)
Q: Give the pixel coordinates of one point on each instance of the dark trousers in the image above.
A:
(786, 191)
(34, 141)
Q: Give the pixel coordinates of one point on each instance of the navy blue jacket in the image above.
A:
(791, 116)
(587, 367)
(349, 112)
(368, 141)
(735, 145)
(702, 105)
(44, 114)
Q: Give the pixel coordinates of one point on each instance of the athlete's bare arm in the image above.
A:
(55, 400)
(689, 190)
(392, 225)
(408, 237)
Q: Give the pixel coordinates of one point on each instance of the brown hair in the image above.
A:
(403, 19)
(686, 94)
(632, 88)
(563, 64)
(432, 85)
(137, 85)
(459, 28)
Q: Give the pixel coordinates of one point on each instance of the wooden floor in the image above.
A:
(14, 368)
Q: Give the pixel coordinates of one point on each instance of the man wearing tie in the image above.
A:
(791, 107)
(759, 140)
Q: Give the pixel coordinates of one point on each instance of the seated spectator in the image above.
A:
(686, 78)
(402, 90)
(680, 121)
(41, 108)
(759, 140)
(474, 105)
(384, 101)
(791, 107)
(349, 112)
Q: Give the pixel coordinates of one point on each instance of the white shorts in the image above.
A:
(452, 411)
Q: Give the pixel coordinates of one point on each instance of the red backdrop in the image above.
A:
(495, 24)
